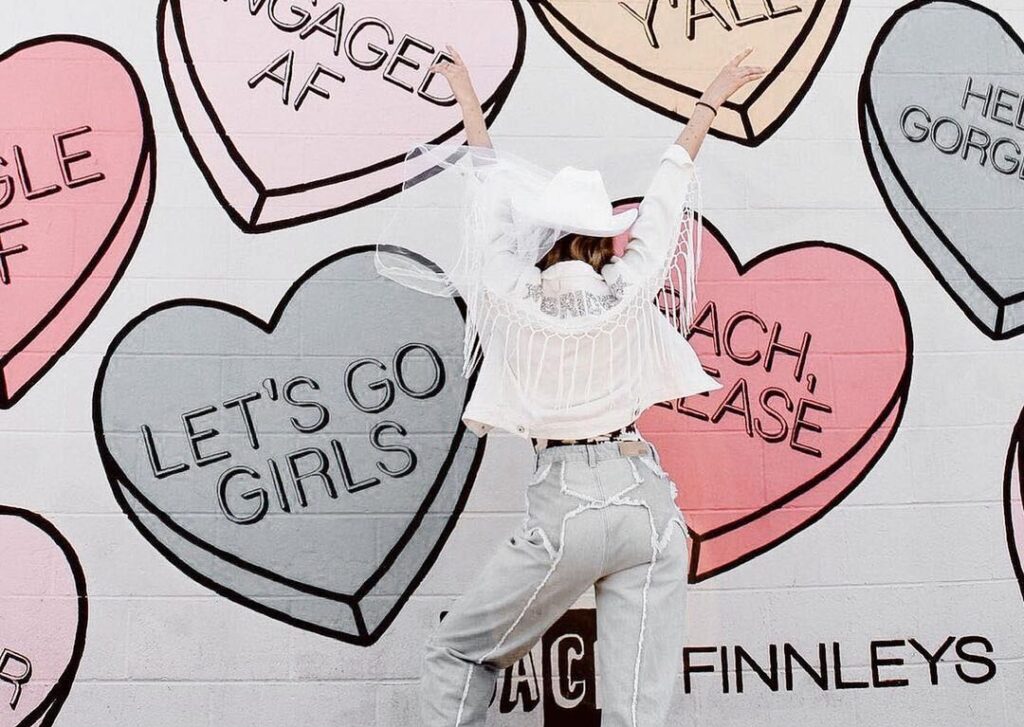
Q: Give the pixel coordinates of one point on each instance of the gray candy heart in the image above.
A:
(942, 123)
(310, 468)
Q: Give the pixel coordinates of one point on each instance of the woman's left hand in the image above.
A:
(731, 79)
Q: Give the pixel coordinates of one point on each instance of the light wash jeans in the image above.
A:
(594, 517)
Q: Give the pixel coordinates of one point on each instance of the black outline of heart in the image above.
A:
(866, 108)
(1014, 458)
(492, 107)
(119, 479)
(751, 138)
(147, 158)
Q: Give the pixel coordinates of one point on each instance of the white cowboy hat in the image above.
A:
(575, 200)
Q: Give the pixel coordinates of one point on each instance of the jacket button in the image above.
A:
(520, 429)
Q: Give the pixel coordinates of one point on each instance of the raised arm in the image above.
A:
(729, 80)
(457, 74)
(656, 227)
(502, 270)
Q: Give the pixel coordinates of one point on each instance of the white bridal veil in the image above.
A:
(500, 240)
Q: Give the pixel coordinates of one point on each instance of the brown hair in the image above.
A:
(597, 251)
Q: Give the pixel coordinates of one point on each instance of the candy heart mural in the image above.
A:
(43, 614)
(1012, 501)
(296, 112)
(812, 343)
(310, 467)
(76, 182)
(942, 123)
(664, 54)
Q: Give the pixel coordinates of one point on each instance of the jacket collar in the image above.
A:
(570, 268)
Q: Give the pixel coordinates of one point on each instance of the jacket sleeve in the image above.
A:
(656, 231)
(505, 272)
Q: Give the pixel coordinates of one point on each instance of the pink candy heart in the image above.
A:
(812, 344)
(42, 619)
(76, 180)
(299, 110)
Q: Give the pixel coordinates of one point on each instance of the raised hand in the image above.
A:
(457, 75)
(731, 79)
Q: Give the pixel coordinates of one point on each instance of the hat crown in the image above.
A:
(576, 200)
(580, 193)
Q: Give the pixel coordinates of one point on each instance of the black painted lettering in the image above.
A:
(423, 90)
(690, 668)
(739, 20)
(969, 93)
(299, 17)
(7, 251)
(767, 395)
(310, 85)
(285, 60)
(318, 473)
(27, 190)
(932, 659)
(437, 377)
(349, 482)
(323, 414)
(800, 423)
(400, 58)
(727, 334)
(773, 12)
(256, 493)
(977, 139)
(819, 677)
(377, 433)
(920, 133)
(736, 402)
(382, 384)
(159, 471)
(989, 664)
(195, 437)
(958, 138)
(798, 352)
(877, 662)
(693, 16)
(646, 20)
(837, 668)
(1014, 158)
(66, 159)
(379, 54)
(769, 676)
(16, 670)
(329, 23)
(242, 404)
(1001, 105)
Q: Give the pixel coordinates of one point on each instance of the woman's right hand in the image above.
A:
(731, 79)
(457, 75)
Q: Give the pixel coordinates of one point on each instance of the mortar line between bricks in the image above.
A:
(479, 514)
(700, 588)
(1002, 426)
(304, 681)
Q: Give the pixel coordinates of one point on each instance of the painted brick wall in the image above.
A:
(898, 537)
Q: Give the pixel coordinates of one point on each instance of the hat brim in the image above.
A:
(614, 225)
